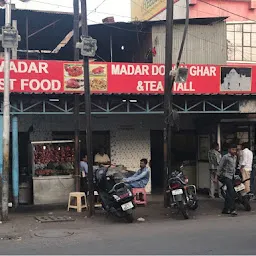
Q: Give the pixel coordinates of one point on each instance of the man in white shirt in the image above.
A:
(246, 162)
(102, 158)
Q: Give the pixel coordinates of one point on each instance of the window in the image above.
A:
(241, 42)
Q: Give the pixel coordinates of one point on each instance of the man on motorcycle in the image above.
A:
(141, 177)
(226, 172)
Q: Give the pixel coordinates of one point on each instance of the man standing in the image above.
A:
(214, 157)
(246, 162)
(84, 172)
(226, 171)
(141, 177)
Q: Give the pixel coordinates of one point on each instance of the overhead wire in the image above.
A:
(199, 37)
(136, 31)
(68, 37)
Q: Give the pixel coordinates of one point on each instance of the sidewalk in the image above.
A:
(22, 222)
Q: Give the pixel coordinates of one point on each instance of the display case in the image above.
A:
(53, 171)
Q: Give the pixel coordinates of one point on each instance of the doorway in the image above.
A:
(184, 148)
(157, 160)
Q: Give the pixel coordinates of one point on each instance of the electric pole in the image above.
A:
(88, 49)
(168, 95)
(179, 75)
(10, 40)
(76, 106)
(6, 32)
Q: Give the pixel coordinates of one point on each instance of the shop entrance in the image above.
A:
(157, 160)
(184, 148)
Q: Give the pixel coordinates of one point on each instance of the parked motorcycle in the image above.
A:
(181, 195)
(241, 196)
(116, 197)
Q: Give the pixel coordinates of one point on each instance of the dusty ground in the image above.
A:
(207, 232)
(23, 222)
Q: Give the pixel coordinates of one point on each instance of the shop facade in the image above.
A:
(127, 113)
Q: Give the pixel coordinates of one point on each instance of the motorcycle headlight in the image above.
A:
(117, 198)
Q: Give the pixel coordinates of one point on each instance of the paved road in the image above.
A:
(214, 235)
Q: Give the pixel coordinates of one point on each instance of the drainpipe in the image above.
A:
(15, 161)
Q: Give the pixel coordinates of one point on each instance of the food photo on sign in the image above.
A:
(98, 77)
(74, 79)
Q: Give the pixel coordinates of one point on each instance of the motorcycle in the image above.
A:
(116, 197)
(181, 195)
(241, 196)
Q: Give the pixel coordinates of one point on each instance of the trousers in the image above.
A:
(246, 175)
(214, 184)
(230, 195)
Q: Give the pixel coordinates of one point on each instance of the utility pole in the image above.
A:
(179, 75)
(10, 39)
(88, 49)
(6, 115)
(168, 97)
(76, 107)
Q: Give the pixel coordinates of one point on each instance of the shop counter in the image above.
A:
(52, 189)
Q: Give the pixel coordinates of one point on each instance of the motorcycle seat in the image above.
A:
(116, 186)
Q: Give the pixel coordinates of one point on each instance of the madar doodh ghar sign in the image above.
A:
(109, 78)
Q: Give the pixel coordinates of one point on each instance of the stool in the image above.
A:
(136, 193)
(97, 203)
(79, 196)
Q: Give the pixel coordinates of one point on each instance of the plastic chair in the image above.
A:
(137, 192)
(79, 197)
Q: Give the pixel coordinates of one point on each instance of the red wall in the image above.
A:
(247, 9)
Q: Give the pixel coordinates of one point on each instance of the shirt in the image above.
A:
(214, 159)
(246, 159)
(227, 166)
(101, 159)
(139, 179)
(83, 168)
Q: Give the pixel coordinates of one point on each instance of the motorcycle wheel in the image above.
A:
(183, 210)
(129, 218)
(247, 205)
(194, 206)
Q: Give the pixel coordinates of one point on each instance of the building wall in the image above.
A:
(204, 44)
(245, 10)
(129, 134)
(129, 146)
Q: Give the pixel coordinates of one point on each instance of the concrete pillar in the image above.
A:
(218, 135)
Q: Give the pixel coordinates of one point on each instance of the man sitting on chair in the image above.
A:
(141, 177)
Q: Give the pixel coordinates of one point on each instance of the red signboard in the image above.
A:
(110, 78)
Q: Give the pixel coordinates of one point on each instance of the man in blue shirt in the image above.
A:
(84, 172)
(141, 177)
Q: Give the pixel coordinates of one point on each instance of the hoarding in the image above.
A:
(146, 9)
(127, 78)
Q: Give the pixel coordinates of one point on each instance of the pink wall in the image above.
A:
(247, 9)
